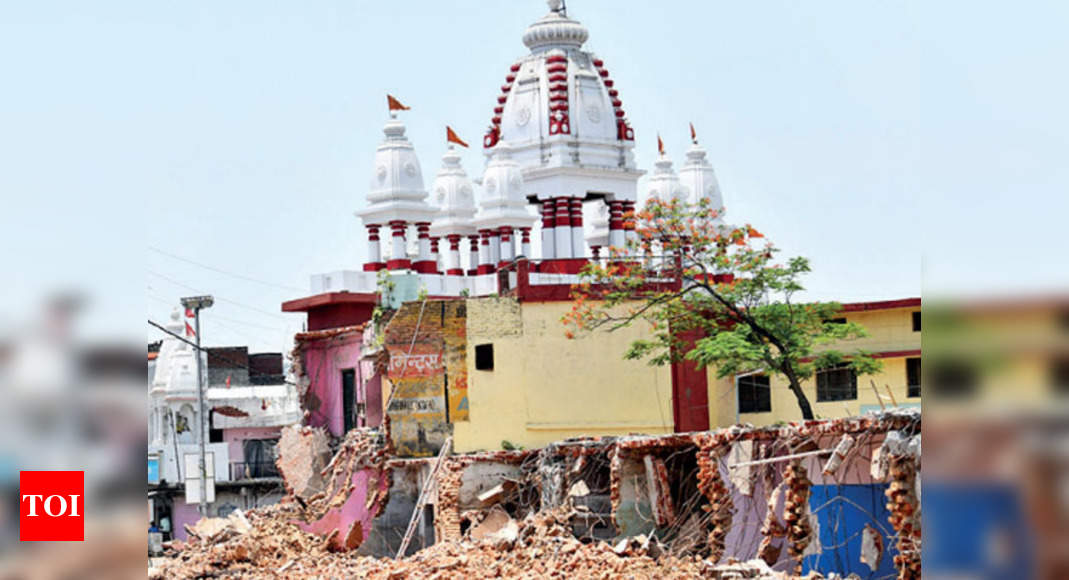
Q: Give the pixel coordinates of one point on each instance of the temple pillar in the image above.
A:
(548, 223)
(374, 250)
(505, 233)
(525, 242)
(424, 263)
(484, 252)
(617, 237)
(578, 239)
(452, 263)
(398, 255)
(473, 255)
(562, 228)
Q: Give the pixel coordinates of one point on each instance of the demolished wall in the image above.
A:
(820, 496)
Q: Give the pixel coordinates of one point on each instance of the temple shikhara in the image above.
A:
(560, 174)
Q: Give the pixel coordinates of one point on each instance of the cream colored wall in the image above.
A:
(889, 330)
(545, 387)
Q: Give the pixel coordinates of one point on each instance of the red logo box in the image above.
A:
(51, 506)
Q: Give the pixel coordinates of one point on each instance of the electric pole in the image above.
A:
(196, 303)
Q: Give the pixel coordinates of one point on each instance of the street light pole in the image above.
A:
(196, 303)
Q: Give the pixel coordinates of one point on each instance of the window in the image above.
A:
(1059, 376)
(913, 377)
(755, 394)
(952, 378)
(917, 321)
(484, 357)
(348, 397)
(215, 435)
(837, 383)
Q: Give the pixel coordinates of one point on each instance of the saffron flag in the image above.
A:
(451, 137)
(660, 145)
(693, 133)
(394, 104)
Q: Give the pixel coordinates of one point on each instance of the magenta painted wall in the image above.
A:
(354, 509)
(324, 361)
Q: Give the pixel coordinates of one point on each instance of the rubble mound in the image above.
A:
(541, 546)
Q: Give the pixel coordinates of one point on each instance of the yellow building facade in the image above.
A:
(894, 338)
(544, 387)
(508, 376)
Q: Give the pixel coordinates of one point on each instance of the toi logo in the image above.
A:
(51, 506)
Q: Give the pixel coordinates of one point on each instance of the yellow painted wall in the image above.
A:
(889, 330)
(545, 387)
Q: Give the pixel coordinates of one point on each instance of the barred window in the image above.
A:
(755, 394)
(837, 383)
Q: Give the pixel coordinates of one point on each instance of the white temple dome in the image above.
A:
(396, 190)
(699, 179)
(561, 113)
(397, 173)
(454, 195)
(503, 201)
(663, 183)
(555, 30)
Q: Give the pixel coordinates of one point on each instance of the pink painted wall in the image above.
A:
(235, 437)
(182, 513)
(324, 361)
(355, 509)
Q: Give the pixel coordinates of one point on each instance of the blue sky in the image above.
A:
(890, 142)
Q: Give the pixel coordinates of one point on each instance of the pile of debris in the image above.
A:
(264, 544)
(249, 545)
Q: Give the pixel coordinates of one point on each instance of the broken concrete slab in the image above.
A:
(303, 453)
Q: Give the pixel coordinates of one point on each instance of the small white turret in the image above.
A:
(454, 196)
(397, 199)
(503, 209)
(663, 183)
(699, 178)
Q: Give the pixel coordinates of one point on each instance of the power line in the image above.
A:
(222, 271)
(238, 304)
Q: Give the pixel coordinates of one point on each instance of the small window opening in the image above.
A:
(484, 357)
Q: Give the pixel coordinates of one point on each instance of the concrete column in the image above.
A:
(484, 252)
(505, 233)
(563, 228)
(374, 250)
(525, 243)
(424, 263)
(617, 237)
(398, 256)
(495, 247)
(548, 236)
(578, 237)
(453, 267)
(629, 223)
(473, 255)
(435, 256)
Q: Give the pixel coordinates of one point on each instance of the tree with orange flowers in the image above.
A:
(713, 294)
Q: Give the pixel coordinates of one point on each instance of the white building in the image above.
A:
(559, 145)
